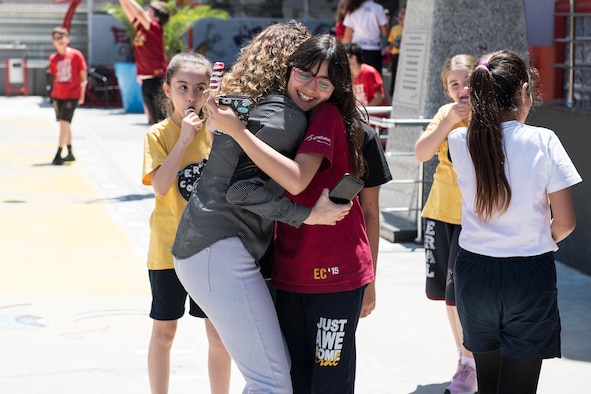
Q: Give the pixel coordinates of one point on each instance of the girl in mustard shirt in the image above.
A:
(442, 211)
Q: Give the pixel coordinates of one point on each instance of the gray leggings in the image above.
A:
(227, 284)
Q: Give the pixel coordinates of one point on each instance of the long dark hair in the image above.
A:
(495, 97)
(353, 5)
(326, 48)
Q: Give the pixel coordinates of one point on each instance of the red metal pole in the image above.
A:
(67, 23)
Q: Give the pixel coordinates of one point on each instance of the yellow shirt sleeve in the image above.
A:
(444, 202)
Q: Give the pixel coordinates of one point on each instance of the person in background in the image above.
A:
(175, 152)
(393, 47)
(148, 51)
(69, 70)
(442, 211)
(386, 56)
(365, 24)
(368, 85)
(339, 27)
(515, 181)
(377, 173)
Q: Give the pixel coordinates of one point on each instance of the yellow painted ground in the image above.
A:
(56, 236)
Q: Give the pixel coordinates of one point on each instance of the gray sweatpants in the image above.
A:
(226, 283)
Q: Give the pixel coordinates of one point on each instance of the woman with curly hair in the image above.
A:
(229, 220)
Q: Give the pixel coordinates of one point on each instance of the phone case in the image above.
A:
(345, 189)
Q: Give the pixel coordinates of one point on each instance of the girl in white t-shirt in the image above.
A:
(366, 23)
(515, 181)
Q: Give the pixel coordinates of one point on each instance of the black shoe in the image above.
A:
(57, 161)
(69, 157)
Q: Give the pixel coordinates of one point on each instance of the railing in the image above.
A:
(577, 65)
(391, 123)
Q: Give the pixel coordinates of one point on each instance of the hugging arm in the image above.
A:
(252, 190)
(293, 175)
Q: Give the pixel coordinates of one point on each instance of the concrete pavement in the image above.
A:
(74, 295)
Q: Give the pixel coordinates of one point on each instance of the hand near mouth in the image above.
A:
(459, 111)
(190, 125)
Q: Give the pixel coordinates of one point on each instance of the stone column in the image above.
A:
(435, 30)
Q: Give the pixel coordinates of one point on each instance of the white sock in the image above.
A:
(469, 361)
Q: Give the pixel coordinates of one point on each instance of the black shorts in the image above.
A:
(509, 304)
(64, 109)
(152, 97)
(441, 249)
(169, 297)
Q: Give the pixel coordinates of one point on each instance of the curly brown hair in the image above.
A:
(263, 64)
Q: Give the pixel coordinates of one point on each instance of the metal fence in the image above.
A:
(25, 28)
(577, 65)
(390, 124)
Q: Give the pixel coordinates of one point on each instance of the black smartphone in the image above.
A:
(345, 189)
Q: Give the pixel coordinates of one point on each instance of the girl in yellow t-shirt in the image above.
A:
(175, 152)
(442, 211)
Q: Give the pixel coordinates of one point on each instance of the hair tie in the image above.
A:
(482, 63)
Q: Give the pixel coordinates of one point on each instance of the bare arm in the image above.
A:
(384, 30)
(348, 35)
(377, 99)
(369, 199)
(83, 83)
(430, 141)
(563, 214)
(133, 10)
(164, 176)
(293, 175)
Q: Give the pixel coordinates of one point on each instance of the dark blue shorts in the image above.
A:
(64, 109)
(441, 248)
(169, 297)
(509, 304)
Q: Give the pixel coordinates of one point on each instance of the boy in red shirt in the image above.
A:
(68, 68)
(368, 85)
